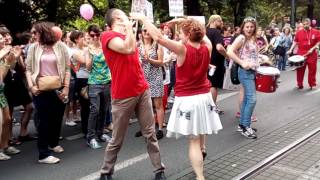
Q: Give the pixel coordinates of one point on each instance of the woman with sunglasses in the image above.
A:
(99, 91)
(193, 113)
(151, 56)
(244, 51)
(48, 77)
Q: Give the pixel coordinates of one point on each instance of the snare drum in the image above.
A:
(296, 61)
(266, 79)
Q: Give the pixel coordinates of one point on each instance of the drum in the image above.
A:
(296, 61)
(266, 79)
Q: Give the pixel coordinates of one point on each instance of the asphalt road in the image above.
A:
(80, 162)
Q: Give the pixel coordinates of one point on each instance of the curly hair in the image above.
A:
(46, 34)
(194, 28)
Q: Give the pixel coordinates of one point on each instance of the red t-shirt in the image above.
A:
(126, 72)
(191, 77)
(306, 40)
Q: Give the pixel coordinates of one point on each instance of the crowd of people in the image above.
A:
(118, 72)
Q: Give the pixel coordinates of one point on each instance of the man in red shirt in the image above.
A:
(308, 40)
(129, 90)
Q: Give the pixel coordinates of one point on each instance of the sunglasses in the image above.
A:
(94, 35)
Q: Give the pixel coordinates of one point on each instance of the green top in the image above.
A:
(100, 72)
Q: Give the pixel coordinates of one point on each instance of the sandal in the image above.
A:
(14, 142)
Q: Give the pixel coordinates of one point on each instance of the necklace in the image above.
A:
(308, 36)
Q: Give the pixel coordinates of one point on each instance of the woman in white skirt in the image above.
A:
(193, 113)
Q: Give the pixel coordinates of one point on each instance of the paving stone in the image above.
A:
(301, 159)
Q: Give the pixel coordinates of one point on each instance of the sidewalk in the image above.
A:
(302, 163)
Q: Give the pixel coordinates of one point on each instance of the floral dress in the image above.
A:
(3, 100)
(152, 73)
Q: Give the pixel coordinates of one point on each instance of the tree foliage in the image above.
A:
(18, 15)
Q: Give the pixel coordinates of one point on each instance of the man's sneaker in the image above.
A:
(70, 123)
(105, 177)
(94, 144)
(57, 149)
(249, 133)
(104, 138)
(11, 150)
(160, 176)
(49, 160)
(239, 129)
(4, 157)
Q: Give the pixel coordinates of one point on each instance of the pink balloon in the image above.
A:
(57, 31)
(86, 11)
(314, 22)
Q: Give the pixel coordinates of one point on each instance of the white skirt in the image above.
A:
(193, 116)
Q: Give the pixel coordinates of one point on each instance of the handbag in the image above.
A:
(48, 83)
(84, 92)
(234, 73)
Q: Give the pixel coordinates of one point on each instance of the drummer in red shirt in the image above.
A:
(308, 40)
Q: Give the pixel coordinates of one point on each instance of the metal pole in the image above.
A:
(293, 12)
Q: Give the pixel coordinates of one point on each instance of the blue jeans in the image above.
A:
(247, 79)
(282, 61)
(99, 96)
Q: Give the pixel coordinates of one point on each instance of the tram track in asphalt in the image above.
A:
(269, 161)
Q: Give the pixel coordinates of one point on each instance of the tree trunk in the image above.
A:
(52, 8)
(310, 9)
(239, 10)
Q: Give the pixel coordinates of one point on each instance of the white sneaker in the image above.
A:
(105, 138)
(49, 160)
(70, 123)
(94, 144)
(57, 149)
(4, 157)
(11, 150)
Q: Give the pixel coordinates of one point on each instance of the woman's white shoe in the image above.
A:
(49, 160)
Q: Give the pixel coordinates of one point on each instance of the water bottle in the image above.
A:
(211, 71)
(65, 100)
